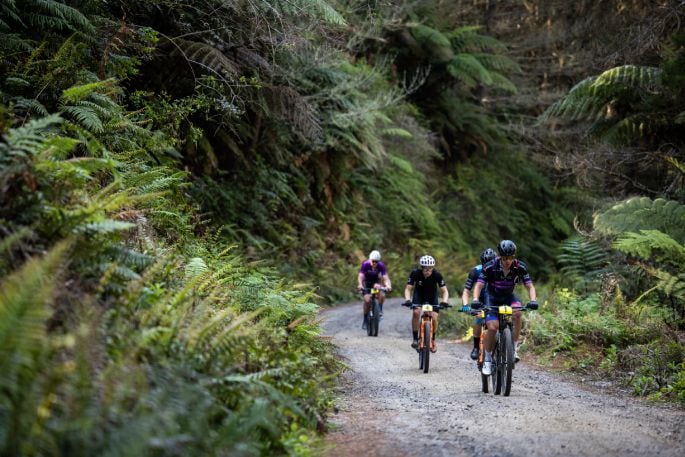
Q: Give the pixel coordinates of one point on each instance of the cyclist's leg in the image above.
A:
(381, 299)
(492, 324)
(415, 321)
(516, 305)
(434, 322)
(478, 327)
(517, 316)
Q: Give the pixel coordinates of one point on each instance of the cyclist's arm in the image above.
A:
(360, 280)
(386, 281)
(476, 290)
(408, 292)
(532, 294)
(445, 293)
(465, 297)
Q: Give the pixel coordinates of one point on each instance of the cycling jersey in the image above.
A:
(425, 289)
(372, 275)
(501, 287)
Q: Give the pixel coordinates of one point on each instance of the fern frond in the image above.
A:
(208, 57)
(105, 227)
(652, 242)
(642, 213)
(86, 117)
(467, 69)
(434, 43)
(80, 92)
(318, 9)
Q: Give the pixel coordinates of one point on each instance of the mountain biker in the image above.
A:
(422, 287)
(501, 275)
(486, 256)
(371, 273)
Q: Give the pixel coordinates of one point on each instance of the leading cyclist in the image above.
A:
(501, 275)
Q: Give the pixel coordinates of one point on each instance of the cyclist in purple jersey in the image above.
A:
(486, 256)
(501, 275)
(371, 273)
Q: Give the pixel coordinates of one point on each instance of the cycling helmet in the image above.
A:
(375, 255)
(487, 256)
(506, 247)
(427, 261)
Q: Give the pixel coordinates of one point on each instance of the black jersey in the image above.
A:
(471, 281)
(425, 289)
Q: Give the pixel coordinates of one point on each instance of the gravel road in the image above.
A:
(387, 407)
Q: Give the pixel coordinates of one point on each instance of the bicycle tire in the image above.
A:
(484, 382)
(372, 316)
(508, 356)
(376, 318)
(426, 345)
(496, 366)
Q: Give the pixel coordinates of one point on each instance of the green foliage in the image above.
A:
(583, 261)
(642, 213)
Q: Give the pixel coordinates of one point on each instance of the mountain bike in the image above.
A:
(503, 354)
(374, 310)
(426, 332)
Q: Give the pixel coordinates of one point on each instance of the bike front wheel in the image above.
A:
(507, 360)
(496, 365)
(426, 345)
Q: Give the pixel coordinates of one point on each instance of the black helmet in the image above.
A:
(506, 247)
(487, 256)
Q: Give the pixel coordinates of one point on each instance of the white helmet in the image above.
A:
(375, 255)
(427, 261)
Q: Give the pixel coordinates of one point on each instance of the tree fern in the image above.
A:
(642, 213)
(582, 259)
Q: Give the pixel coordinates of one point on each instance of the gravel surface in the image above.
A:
(387, 407)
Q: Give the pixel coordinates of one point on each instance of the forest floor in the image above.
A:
(387, 407)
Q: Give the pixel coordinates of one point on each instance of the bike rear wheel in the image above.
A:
(426, 345)
(508, 360)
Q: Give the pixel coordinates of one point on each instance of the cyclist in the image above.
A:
(486, 256)
(371, 273)
(422, 287)
(501, 275)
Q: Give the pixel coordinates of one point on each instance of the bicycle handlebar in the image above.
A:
(435, 307)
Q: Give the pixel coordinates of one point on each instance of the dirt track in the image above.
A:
(387, 407)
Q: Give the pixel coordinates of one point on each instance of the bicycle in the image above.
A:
(503, 354)
(426, 331)
(374, 311)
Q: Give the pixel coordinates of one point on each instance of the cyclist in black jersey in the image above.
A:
(422, 287)
(486, 256)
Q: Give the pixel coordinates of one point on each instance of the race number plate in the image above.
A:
(426, 308)
(505, 310)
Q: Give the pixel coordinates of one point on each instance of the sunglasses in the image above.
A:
(374, 261)
(426, 268)
(507, 257)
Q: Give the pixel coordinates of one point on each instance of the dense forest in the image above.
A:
(183, 184)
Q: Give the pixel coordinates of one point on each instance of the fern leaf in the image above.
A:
(468, 69)
(105, 227)
(642, 213)
(434, 43)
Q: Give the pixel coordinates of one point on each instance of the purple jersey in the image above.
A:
(372, 274)
(499, 285)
